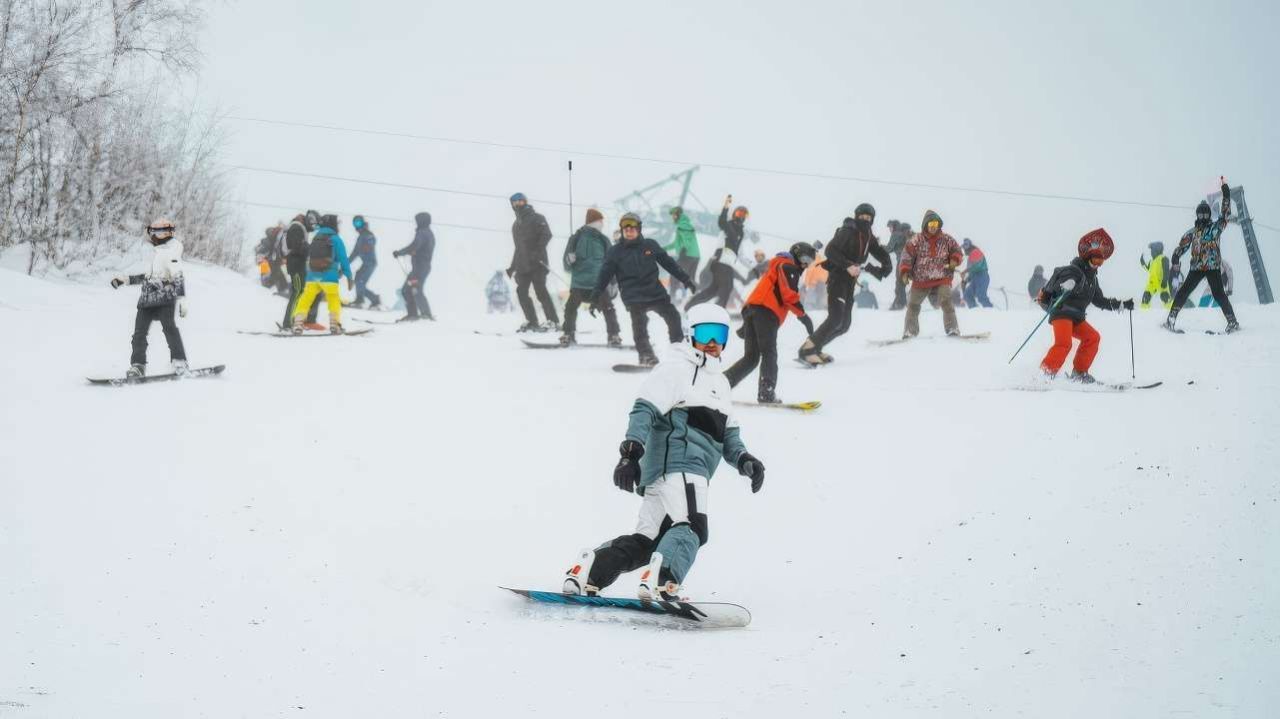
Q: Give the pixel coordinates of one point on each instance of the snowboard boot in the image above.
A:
(648, 358)
(953, 333)
(409, 318)
(336, 328)
(809, 353)
(357, 305)
(550, 326)
(136, 371)
(1083, 378)
(908, 336)
(826, 358)
(316, 326)
(656, 582)
(297, 327)
(575, 580)
(615, 341)
(567, 339)
(180, 367)
(1170, 321)
(528, 327)
(766, 395)
(1232, 325)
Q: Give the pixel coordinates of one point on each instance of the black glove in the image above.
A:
(396, 253)
(878, 272)
(749, 466)
(627, 474)
(692, 287)
(511, 272)
(594, 304)
(116, 282)
(1226, 191)
(1127, 304)
(808, 324)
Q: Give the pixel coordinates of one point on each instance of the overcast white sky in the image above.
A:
(1143, 101)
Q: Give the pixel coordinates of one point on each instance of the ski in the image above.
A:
(632, 368)
(189, 374)
(348, 333)
(809, 365)
(975, 337)
(585, 345)
(1096, 387)
(797, 406)
(709, 615)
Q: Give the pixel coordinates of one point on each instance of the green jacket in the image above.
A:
(686, 242)
(588, 247)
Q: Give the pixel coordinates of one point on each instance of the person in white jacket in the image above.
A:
(163, 295)
(681, 427)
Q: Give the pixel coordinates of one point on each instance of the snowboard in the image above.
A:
(976, 337)
(632, 368)
(709, 615)
(810, 365)
(586, 345)
(796, 406)
(189, 374)
(348, 333)
(1096, 387)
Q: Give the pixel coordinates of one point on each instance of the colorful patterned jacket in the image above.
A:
(1203, 241)
(930, 260)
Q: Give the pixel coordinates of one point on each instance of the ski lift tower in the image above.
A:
(654, 216)
(1260, 280)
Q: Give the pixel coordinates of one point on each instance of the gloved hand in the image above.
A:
(395, 253)
(573, 259)
(511, 272)
(692, 287)
(626, 475)
(749, 466)
(906, 278)
(118, 280)
(808, 324)
(1069, 284)
(1226, 189)
(878, 272)
(182, 306)
(1127, 304)
(593, 304)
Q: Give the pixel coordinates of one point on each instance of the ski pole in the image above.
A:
(1133, 367)
(556, 275)
(1048, 312)
(570, 197)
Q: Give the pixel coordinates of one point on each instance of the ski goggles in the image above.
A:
(932, 225)
(708, 332)
(629, 222)
(865, 216)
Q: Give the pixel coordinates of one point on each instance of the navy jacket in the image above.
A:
(635, 265)
(424, 243)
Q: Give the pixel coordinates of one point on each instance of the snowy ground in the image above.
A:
(321, 531)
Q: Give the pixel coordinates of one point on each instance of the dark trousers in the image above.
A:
(577, 296)
(690, 267)
(640, 323)
(142, 325)
(899, 290)
(538, 280)
(299, 281)
(279, 280)
(839, 313)
(362, 285)
(760, 337)
(1214, 278)
(721, 286)
(415, 298)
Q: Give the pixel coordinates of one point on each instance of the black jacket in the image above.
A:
(531, 235)
(423, 247)
(1077, 299)
(733, 230)
(635, 265)
(295, 245)
(847, 248)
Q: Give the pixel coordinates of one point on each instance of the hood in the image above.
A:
(423, 219)
(685, 351)
(1039, 270)
(929, 216)
(1157, 248)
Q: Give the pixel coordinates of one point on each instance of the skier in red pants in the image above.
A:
(1067, 297)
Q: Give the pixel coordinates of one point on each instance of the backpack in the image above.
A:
(320, 254)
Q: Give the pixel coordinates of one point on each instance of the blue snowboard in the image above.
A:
(712, 615)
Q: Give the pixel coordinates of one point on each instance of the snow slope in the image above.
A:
(321, 531)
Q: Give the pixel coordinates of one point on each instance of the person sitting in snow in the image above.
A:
(1067, 296)
(681, 426)
(163, 293)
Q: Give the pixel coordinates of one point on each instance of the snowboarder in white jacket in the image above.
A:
(163, 293)
(681, 426)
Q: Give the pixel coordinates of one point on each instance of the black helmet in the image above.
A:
(330, 221)
(865, 209)
(802, 250)
(1204, 213)
(630, 219)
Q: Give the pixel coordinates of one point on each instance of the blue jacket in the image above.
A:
(340, 262)
(366, 244)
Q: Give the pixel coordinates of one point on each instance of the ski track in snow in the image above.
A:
(322, 530)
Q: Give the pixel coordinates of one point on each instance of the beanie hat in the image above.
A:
(593, 215)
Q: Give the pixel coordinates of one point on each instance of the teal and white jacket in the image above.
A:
(684, 417)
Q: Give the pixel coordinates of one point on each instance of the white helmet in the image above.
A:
(708, 313)
(161, 229)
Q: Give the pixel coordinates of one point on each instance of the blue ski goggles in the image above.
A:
(708, 332)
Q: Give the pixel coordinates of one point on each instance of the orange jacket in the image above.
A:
(778, 288)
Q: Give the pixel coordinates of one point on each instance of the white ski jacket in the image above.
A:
(162, 284)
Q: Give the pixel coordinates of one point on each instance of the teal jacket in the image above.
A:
(588, 247)
(684, 417)
(686, 241)
(341, 264)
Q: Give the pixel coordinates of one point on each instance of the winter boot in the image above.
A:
(336, 328)
(766, 395)
(826, 358)
(567, 339)
(1171, 321)
(615, 340)
(297, 327)
(648, 358)
(136, 371)
(1232, 325)
(357, 305)
(528, 327)
(575, 580)
(409, 318)
(809, 353)
(550, 326)
(180, 367)
(953, 333)
(1083, 378)
(656, 582)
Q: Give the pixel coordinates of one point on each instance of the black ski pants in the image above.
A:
(538, 280)
(1214, 278)
(142, 325)
(839, 312)
(721, 287)
(414, 293)
(760, 337)
(640, 324)
(579, 295)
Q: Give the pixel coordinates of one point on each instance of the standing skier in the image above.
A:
(899, 233)
(531, 234)
(725, 258)
(163, 292)
(583, 257)
(777, 293)
(929, 261)
(866, 299)
(684, 247)
(365, 251)
(420, 252)
(976, 277)
(1157, 276)
(1036, 283)
(848, 250)
(634, 262)
(297, 238)
(1073, 288)
(1206, 260)
(326, 258)
(681, 425)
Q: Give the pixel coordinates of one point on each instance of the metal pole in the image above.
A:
(1133, 367)
(1048, 312)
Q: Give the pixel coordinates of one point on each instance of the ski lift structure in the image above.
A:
(653, 204)
(1245, 220)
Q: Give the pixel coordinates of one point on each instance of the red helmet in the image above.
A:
(1096, 243)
